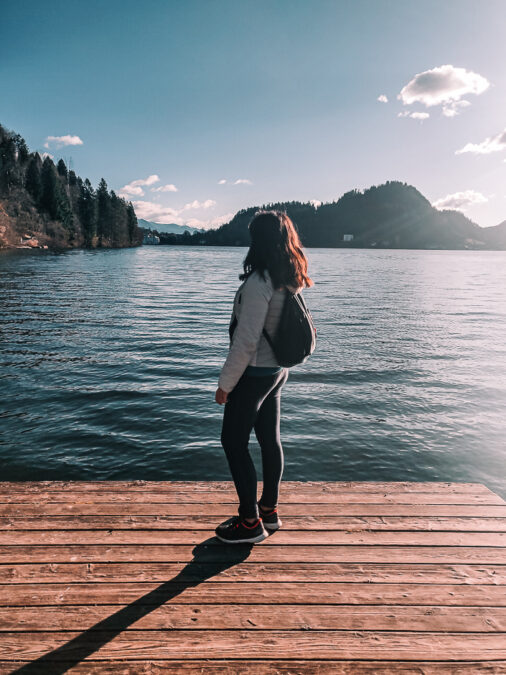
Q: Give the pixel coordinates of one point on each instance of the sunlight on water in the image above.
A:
(110, 361)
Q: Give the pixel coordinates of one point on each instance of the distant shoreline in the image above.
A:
(24, 249)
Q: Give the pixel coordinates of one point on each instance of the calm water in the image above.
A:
(110, 360)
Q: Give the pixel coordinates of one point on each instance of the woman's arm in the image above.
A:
(255, 297)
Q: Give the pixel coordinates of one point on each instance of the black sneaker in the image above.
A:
(270, 519)
(235, 530)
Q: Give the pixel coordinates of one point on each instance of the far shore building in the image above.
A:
(347, 237)
(151, 238)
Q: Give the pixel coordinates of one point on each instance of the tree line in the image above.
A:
(69, 207)
(391, 215)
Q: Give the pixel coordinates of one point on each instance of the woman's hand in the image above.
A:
(221, 396)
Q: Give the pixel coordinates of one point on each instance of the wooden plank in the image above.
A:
(191, 486)
(257, 617)
(130, 573)
(135, 508)
(251, 593)
(208, 550)
(182, 644)
(290, 523)
(250, 571)
(233, 666)
(229, 497)
(281, 537)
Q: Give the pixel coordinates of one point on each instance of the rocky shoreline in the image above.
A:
(29, 241)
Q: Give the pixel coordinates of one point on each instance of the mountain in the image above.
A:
(167, 227)
(43, 205)
(391, 215)
(497, 235)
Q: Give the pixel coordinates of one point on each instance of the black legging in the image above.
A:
(255, 402)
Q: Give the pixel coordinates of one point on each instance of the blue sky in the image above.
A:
(280, 95)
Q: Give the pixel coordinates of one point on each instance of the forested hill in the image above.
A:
(43, 205)
(392, 215)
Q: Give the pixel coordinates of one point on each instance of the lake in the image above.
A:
(110, 361)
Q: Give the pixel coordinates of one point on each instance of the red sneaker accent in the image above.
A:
(250, 527)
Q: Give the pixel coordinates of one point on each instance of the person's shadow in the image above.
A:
(208, 561)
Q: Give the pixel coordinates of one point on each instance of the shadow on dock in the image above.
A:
(201, 568)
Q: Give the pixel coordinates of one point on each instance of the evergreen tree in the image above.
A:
(122, 231)
(32, 179)
(72, 177)
(54, 198)
(49, 198)
(88, 212)
(8, 153)
(22, 153)
(103, 211)
(22, 150)
(65, 213)
(131, 223)
(62, 168)
(116, 219)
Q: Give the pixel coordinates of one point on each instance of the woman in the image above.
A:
(251, 379)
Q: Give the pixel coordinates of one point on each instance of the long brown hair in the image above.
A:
(276, 247)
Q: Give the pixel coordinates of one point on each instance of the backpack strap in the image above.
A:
(265, 333)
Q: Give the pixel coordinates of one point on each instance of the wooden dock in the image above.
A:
(363, 578)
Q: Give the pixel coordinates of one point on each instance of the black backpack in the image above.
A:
(295, 337)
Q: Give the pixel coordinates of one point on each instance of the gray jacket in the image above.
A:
(257, 305)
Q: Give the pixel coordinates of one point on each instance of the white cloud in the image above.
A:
(134, 188)
(414, 115)
(165, 188)
(490, 144)
(195, 204)
(382, 98)
(444, 85)
(158, 213)
(131, 190)
(315, 202)
(460, 200)
(452, 108)
(239, 181)
(60, 141)
(43, 155)
(146, 181)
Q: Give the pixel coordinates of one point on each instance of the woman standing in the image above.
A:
(251, 379)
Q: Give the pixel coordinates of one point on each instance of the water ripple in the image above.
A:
(110, 360)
